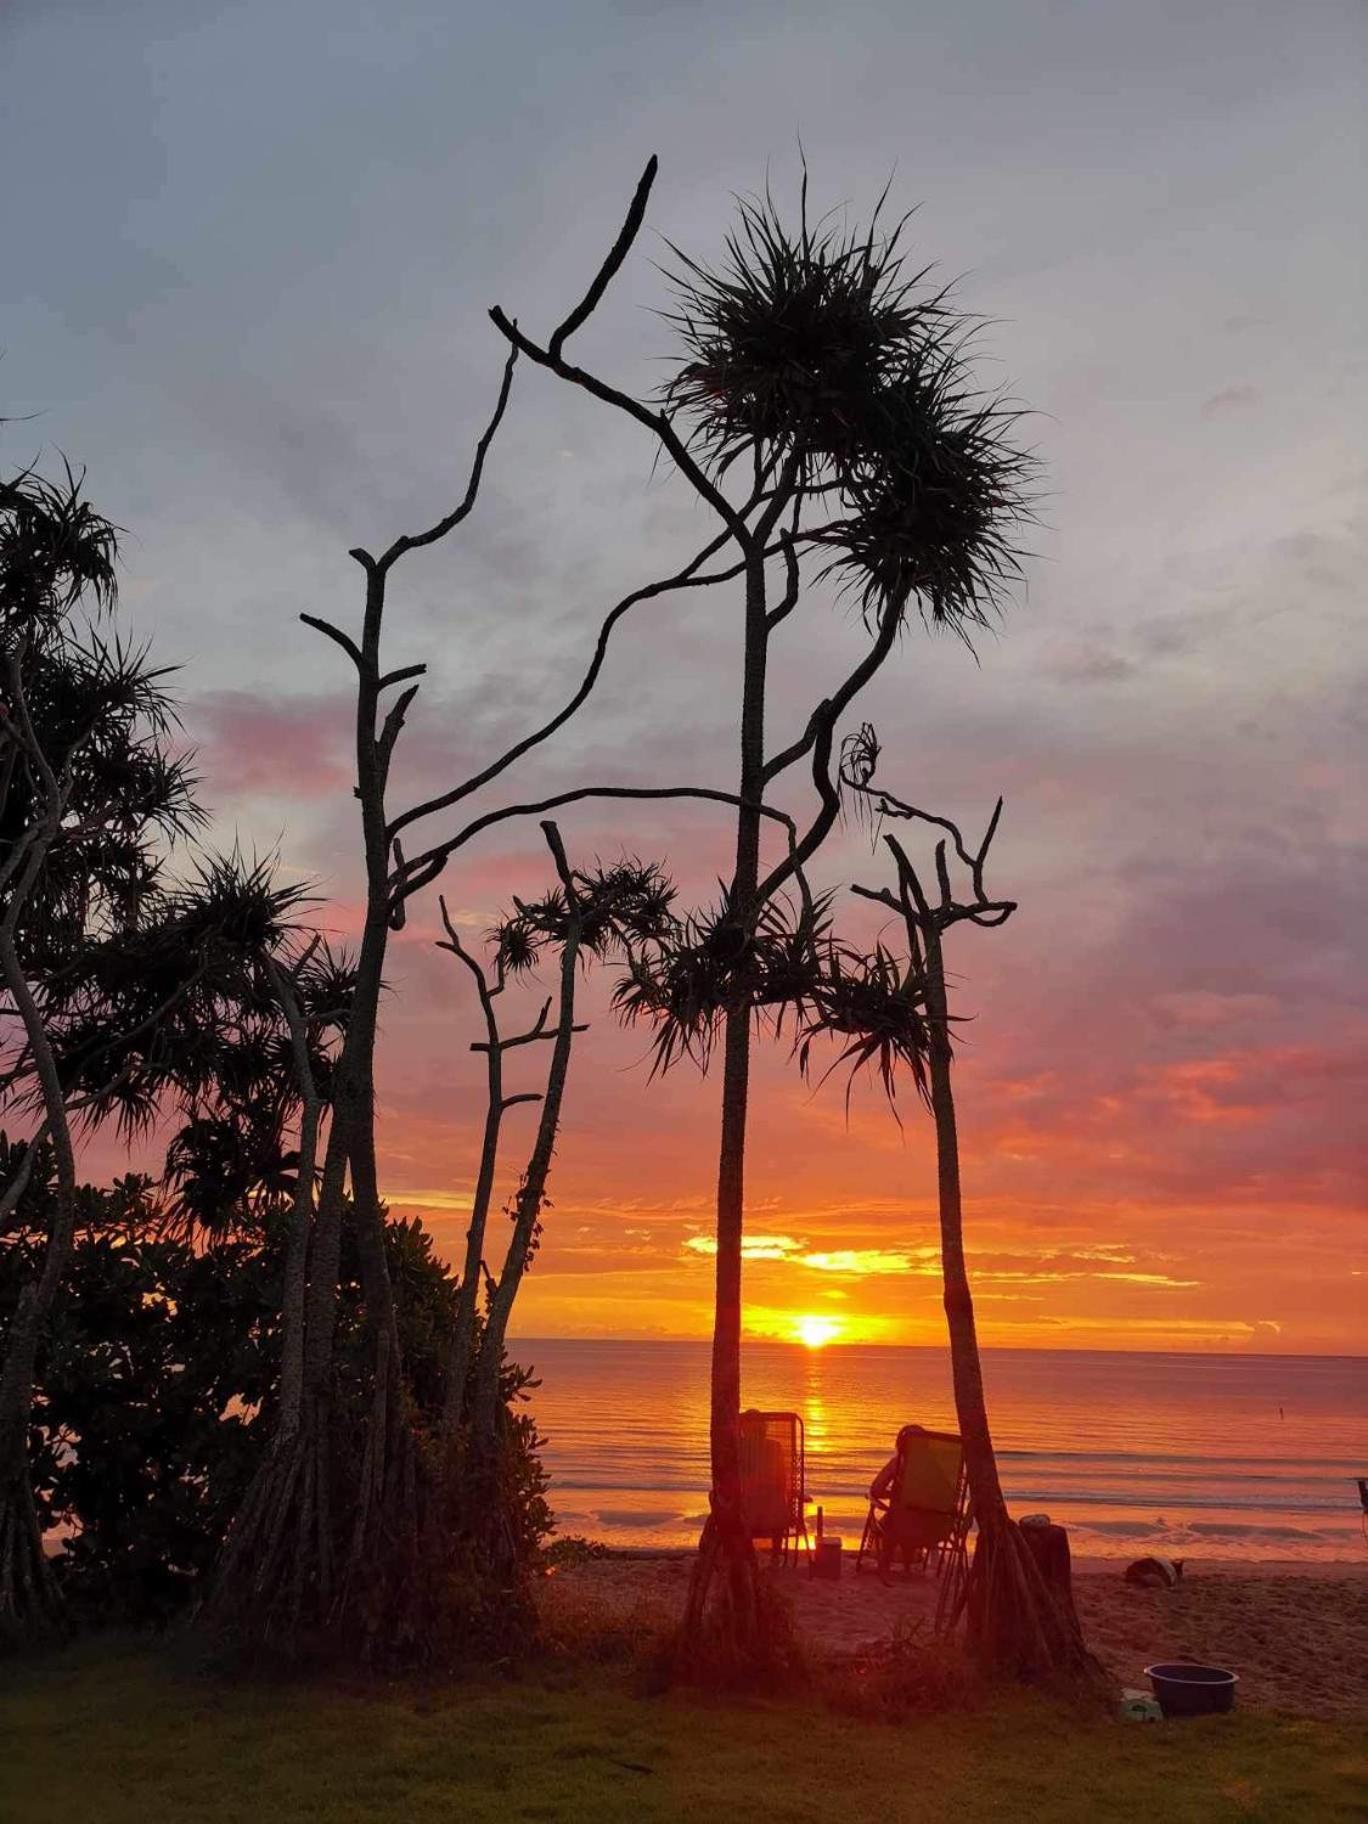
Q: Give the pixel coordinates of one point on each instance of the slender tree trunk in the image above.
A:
(731, 1166)
(277, 1583)
(275, 1560)
(740, 1634)
(1016, 1624)
(467, 1298)
(29, 1600)
(531, 1197)
(302, 1210)
(384, 1525)
(985, 1489)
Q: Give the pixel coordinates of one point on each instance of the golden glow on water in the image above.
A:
(1190, 1456)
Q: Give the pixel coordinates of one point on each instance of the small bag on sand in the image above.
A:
(1155, 1573)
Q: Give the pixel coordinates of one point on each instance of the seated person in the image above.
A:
(894, 1531)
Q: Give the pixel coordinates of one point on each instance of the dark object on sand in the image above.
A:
(1155, 1573)
(1050, 1548)
(826, 1558)
(1362, 1482)
(1190, 1690)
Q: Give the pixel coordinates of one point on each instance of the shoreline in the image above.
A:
(1296, 1633)
(1085, 1564)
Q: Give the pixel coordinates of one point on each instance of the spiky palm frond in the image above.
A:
(617, 906)
(54, 551)
(710, 965)
(876, 1003)
(789, 340)
(936, 503)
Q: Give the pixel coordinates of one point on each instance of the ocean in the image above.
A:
(1242, 1456)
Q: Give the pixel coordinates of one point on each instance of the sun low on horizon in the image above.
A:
(815, 1332)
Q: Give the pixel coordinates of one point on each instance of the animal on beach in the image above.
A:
(1155, 1573)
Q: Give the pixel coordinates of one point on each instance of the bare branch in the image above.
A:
(682, 579)
(655, 422)
(789, 600)
(881, 895)
(336, 635)
(525, 1095)
(981, 910)
(457, 514)
(424, 868)
(943, 877)
(826, 714)
(394, 721)
(606, 273)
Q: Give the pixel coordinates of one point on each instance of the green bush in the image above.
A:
(156, 1383)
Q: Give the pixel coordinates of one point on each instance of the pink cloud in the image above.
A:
(252, 745)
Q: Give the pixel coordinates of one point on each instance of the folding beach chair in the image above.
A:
(925, 1508)
(773, 1485)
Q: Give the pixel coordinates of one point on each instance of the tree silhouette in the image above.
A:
(1016, 1623)
(86, 785)
(592, 915)
(822, 410)
(356, 1561)
(114, 978)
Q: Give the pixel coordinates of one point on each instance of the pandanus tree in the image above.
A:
(356, 1563)
(250, 1125)
(353, 1555)
(128, 1026)
(822, 410)
(1016, 1623)
(88, 789)
(115, 978)
(592, 915)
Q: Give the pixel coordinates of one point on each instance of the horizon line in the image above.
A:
(778, 1342)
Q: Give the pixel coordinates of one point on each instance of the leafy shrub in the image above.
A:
(156, 1383)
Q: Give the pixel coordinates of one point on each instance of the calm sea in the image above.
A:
(1215, 1455)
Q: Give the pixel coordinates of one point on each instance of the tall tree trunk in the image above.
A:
(30, 1603)
(531, 1197)
(277, 1583)
(741, 1633)
(302, 1210)
(468, 1295)
(985, 1488)
(1016, 1624)
(274, 1571)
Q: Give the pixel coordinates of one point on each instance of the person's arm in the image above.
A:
(882, 1486)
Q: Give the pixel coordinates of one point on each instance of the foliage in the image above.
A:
(789, 342)
(619, 905)
(790, 970)
(812, 349)
(157, 1379)
(233, 1155)
(935, 499)
(55, 549)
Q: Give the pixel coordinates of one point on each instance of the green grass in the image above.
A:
(111, 1735)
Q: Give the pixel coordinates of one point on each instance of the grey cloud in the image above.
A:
(1232, 399)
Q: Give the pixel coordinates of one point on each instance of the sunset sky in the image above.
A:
(250, 295)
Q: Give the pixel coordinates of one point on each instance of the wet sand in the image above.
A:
(1297, 1634)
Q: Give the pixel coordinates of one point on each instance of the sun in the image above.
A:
(815, 1332)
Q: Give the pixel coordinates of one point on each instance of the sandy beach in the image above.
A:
(1296, 1633)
